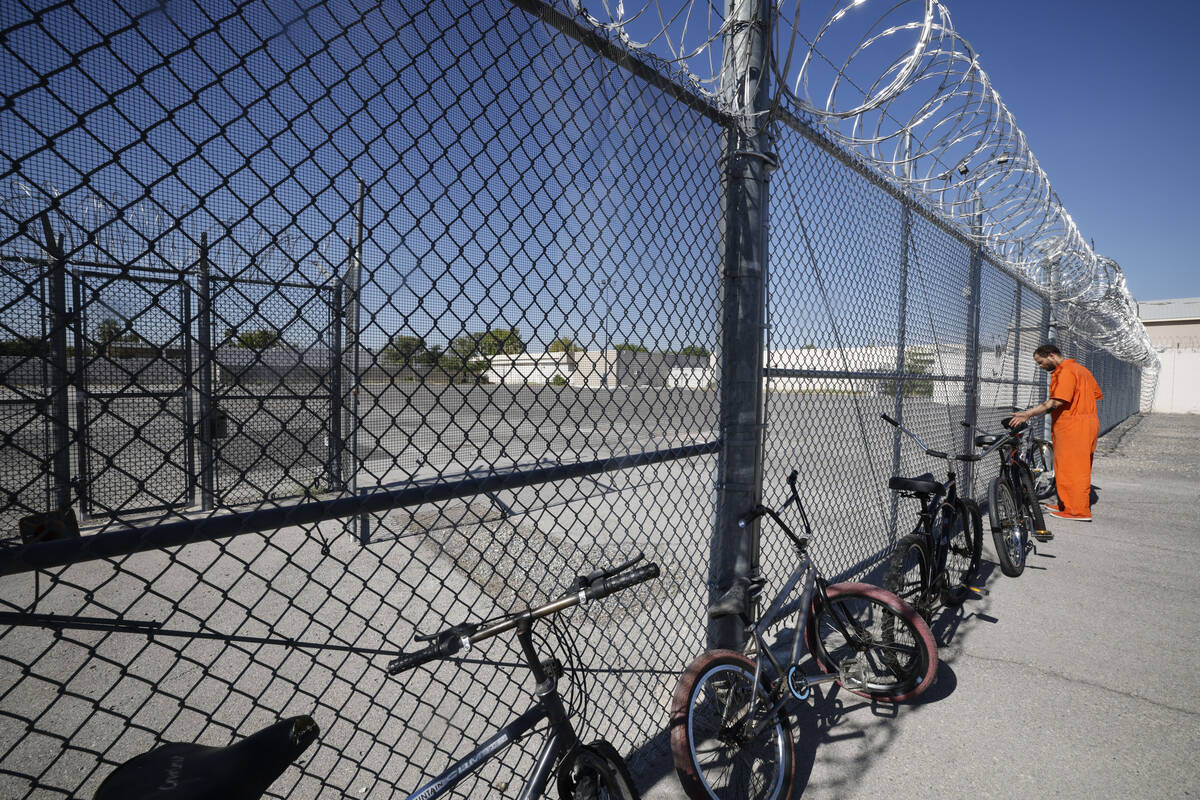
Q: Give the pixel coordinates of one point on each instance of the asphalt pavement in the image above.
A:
(1079, 679)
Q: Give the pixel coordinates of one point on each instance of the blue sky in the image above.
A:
(1108, 95)
(274, 137)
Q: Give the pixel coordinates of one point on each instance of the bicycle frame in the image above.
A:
(931, 514)
(805, 571)
(560, 740)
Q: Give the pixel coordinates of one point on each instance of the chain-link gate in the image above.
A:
(27, 469)
(448, 289)
(276, 395)
(134, 394)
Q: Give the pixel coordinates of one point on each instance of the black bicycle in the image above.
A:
(1013, 508)
(730, 735)
(939, 560)
(1038, 455)
(584, 772)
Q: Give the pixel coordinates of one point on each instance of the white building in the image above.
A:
(1174, 330)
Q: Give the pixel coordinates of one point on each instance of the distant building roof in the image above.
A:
(1183, 308)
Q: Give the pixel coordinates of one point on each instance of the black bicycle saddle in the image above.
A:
(737, 599)
(923, 484)
(185, 771)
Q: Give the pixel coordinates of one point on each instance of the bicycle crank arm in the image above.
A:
(817, 680)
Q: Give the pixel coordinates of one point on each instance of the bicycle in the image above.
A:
(584, 772)
(1013, 508)
(1038, 454)
(939, 559)
(730, 736)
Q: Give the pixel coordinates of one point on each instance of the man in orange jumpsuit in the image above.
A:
(1076, 427)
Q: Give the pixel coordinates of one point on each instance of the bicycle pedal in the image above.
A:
(978, 591)
(852, 674)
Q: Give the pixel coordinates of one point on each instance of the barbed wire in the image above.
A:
(895, 84)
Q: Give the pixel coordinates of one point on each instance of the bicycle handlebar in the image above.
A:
(594, 586)
(915, 438)
(928, 450)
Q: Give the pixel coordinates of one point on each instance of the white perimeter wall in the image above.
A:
(1178, 382)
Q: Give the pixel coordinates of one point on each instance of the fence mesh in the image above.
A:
(450, 275)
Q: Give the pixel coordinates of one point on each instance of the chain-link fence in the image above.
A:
(333, 323)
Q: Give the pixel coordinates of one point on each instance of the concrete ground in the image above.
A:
(1079, 679)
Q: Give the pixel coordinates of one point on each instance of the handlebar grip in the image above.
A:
(407, 661)
(886, 418)
(446, 645)
(622, 581)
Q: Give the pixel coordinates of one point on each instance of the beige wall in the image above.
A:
(1173, 334)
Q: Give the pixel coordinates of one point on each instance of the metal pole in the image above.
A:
(747, 158)
(333, 465)
(1016, 345)
(364, 529)
(901, 330)
(972, 360)
(1047, 331)
(207, 405)
(60, 378)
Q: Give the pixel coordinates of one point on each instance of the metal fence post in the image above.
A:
(747, 158)
(333, 464)
(1016, 344)
(204, 366)
(972, 361)
(1016, 348)
(901, 330)
(60, 377)
(364, 520)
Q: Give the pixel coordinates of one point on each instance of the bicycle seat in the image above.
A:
(184, 771)
(737, 599)
(986, 439)
(922, 484)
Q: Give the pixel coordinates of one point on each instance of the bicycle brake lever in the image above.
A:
(454, 631)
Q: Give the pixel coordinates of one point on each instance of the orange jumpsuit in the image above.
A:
(1075, 430)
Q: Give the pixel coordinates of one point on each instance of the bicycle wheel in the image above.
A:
(598, 773)
(1031, 509)
(1041, 456)
(715, 756)
(1007, 533)
(908, 573)
(887, 651)
(962, 554)
(1041, 460)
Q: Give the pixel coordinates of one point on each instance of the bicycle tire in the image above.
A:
(711, 762)
(1029, 501)
(1041, 461)
(963, 553)
(908, 572)
(1041, 456)
(1007, 535)
(598, 773)
(892, 638)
